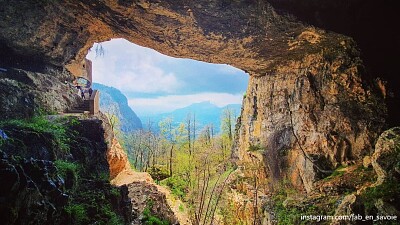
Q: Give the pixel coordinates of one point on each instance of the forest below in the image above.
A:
(195, 165)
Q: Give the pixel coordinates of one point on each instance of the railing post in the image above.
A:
(94, 102)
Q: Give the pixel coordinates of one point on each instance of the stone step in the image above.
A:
(82, 109)
(77, 111)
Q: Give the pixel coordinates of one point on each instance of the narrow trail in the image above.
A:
(129, 176)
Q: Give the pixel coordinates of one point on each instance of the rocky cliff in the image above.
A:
(24, 93)
(54, 171)
(314, 102)
(309, 116)
(112, 101)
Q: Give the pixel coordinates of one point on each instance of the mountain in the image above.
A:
(113, 101)
(205, 112)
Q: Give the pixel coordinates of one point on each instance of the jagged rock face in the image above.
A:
(306, 101)
(22, 92)
(117, 159)
(30, 188)
(144, 196)
(309, 116)
(34, 189)
(246, 34)
(385, 159)
(356, 18)
(116, 156)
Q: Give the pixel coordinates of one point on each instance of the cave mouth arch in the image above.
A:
(156, 83)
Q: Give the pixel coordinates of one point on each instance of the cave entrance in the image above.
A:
(156, 84)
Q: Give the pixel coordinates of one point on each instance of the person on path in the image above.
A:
(90, 92)
(83, 94)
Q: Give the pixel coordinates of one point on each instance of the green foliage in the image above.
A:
(65, 168)
(113, 219)
(97, 201)
(149, 218)
(181, 208)
(74, 121)
(77, 213)
(104, 176)
(41, 126)
(158, 172)
(254, 148)
(291, 213)
(177, 185)
(115, 192)
(388, 191)
(337, 173)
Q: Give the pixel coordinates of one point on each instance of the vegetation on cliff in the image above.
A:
(56, 165)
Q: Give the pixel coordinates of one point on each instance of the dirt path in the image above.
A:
(176, 205)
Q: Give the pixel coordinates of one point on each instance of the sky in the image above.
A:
(156, 83)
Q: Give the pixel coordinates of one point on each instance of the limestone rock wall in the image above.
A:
(308, 116)
(24, 92)
(249, 35)
(116, 156)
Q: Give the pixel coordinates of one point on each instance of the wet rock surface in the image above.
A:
(70, 187)
(31, 191)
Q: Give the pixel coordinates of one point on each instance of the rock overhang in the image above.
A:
(249, 35)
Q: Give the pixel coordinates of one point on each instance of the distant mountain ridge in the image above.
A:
(206, 113)
(112, 100)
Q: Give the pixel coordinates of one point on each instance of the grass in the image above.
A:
(177, 185)
(337, 173)
(149, 218)
(77, 213)
(291, 213)
(56, 131)
(91, 199)
(388, 191)
(67, 170)
(181, 208)
(254, 148)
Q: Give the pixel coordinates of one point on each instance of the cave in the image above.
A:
(323, 74)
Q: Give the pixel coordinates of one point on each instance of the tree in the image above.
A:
(167, 132)
(112, 117)
(189, 128)
(227, 123)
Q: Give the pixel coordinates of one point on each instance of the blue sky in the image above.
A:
(156, 83)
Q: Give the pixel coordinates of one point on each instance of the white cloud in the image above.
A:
(134, 69)
(171, 102)
(130, 67)
(227, 69)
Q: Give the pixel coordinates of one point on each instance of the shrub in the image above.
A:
(68, 171)
(177, 185)
(388, 191)
(113, 219)
(76, 212)
(43, 127)
(337, 173)
(158, 172)
(149, 218)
